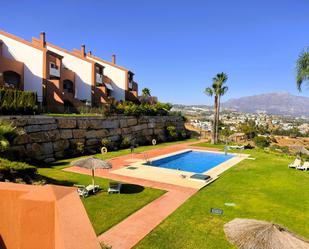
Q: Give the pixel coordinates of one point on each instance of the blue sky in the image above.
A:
(176, 47)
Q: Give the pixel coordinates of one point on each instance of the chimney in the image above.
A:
(42, 39)
(114, 59)
(89, 52)
(83, 49)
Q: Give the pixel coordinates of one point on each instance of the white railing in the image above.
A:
(54, 72)
(99, 78)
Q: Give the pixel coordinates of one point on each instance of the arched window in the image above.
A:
(11, 79)
(68, 86)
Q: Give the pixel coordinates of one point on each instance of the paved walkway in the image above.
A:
(130, 231)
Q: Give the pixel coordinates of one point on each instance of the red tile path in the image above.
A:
(130, 231)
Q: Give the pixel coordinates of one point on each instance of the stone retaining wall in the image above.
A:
(48, 138)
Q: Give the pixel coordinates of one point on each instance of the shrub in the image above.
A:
(80, 147)
(171, 132)
(107, 143)
(11, 170)
(261, 142)
(17, 102)
(7, 134)
(125, 142)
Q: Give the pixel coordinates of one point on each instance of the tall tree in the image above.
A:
(217, 89)
(302, 68)
(146, 92)
(220, 81)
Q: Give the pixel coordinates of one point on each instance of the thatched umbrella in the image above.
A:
(255, 234)
(92, 163)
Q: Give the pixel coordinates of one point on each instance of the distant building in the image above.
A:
(61, 77)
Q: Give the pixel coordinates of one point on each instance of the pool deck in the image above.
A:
(137, 169)
(130, 231)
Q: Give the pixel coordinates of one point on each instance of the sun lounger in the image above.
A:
(305, 166)
(85, 191)
(295, 164)
(114, 187)
(235, 147)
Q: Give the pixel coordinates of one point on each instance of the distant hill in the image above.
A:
(271, 103)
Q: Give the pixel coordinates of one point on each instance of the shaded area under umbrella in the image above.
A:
(256, 234)
(92, 163)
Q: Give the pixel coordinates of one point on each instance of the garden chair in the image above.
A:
(114, 187)
(85, 191)
(305, 166)
(295, 164)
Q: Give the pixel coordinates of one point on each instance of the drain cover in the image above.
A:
(132, 167)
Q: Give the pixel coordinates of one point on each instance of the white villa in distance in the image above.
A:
(62, 78)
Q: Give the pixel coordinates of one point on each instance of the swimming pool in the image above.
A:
(192, 161)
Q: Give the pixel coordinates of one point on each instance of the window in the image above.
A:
(53, 65)
(68, 86)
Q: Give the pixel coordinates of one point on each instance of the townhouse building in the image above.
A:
(62, 78)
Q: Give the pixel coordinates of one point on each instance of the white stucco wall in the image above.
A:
(83, 73)
(118, 78)
(32, 59)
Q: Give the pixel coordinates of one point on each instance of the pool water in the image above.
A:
(192, 161)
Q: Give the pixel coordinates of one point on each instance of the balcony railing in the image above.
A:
(130, 85)
(54, 71)
(99, 78)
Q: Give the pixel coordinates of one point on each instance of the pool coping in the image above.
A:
(178, 177)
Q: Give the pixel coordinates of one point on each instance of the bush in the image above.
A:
(80, 147)
(171, 132)
(107, 143)
(11, 170)
(17, 102)
(125, 143)
(261, 142)
(132, 109)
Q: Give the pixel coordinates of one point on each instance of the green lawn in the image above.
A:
(105, 210)
(262, 189)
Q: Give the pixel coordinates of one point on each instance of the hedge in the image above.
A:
(11, 170)
(17, 102)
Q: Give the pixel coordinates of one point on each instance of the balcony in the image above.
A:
(54, 70)
(99, 79)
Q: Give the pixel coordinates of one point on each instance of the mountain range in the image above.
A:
(280, 103)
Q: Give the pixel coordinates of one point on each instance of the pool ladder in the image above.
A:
(146, 158)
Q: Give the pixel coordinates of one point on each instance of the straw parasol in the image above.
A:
(255, 234)
(92, 163)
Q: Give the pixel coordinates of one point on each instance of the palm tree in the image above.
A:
(146, 92)
(302, 68)
(210, 91)
(217, 90)
(220, 81)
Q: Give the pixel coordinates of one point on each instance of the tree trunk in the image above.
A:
(217, 120)
(214, 124)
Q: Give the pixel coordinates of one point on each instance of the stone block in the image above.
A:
(96, 133)
(132, 121)
(110, 124)
(92, 141)
(36, 128)
(66, 134)
(22, 139)
(66, 123)
(79, 133)
(123, 123)
(61, 145)
(41, 120)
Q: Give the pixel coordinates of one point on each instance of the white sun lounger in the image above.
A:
(295, 164)
(305, 166)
